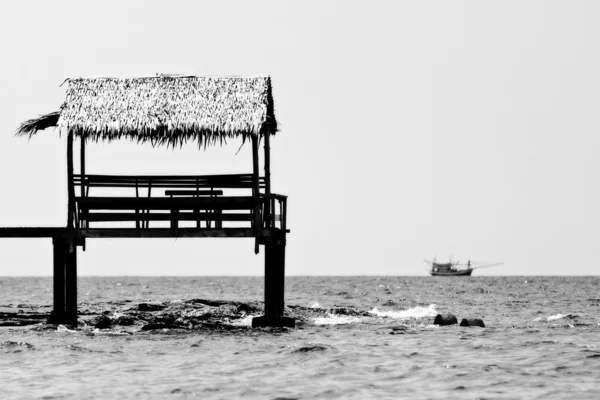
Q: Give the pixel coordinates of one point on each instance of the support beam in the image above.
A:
(71, 285)
(274, 289)
(83, 188)
(268, 208)
(82, 168)
(174, 233)
(70, 187)
(255, 190)
(65, 283)
(59, 299)
(274, 279)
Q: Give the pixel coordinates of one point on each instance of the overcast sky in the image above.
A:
(409, 130)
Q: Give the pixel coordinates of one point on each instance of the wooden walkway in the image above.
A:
(77, 233)
(66, 240)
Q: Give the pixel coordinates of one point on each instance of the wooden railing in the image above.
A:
(138, 182)
(202, 199)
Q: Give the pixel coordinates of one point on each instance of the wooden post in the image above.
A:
(83, 191)
(82, 159)
(59, 303)
(274, 279)
(255, 191)
(268, 208)
(69, 246)
(274, 289)
(71, 285)
(70, 186)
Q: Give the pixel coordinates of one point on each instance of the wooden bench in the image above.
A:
(191, 198)
(145, 209)
(206, 216)
(194, 193)
(197, 182)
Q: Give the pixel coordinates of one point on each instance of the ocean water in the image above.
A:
(356, 338)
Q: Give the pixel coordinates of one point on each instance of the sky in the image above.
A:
(408, 130)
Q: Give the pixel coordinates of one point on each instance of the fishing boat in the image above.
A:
(453, 268)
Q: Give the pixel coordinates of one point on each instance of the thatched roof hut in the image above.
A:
(163, 110)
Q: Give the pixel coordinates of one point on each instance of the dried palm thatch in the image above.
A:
(30, 127)
(164, 110)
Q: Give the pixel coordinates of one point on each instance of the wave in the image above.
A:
(247, 321)
(416, 312)
(333, 319)
(560, 316)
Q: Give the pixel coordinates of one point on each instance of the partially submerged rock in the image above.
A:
(445, 319)
(150, 307)
(102, 322)
(472, 322)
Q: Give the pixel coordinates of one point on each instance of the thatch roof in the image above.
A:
(164, 109)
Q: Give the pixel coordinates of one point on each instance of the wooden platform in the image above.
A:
(56, 232)
(31, 232)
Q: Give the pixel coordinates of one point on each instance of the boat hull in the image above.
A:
(464, 272)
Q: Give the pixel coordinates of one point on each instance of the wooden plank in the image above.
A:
(169, 233)
(190, 182)
(164, 180)
(45, 232)
(153, 177)
(179, 216)
(31, 232)
(166, 203)
(193, 192)
(168, 181)
(173, 185)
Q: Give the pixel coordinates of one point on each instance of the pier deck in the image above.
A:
(76, 233)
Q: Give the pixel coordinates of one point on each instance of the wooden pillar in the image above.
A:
(274, 279)
(67, 248)
(83, 188)
(82, 169)
(274, 289)
(268, 208)
(70, 186)
(255, 191)
(60, 301)
(71, 285)
(65, 283)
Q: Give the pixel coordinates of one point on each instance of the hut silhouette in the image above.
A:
(166, 111)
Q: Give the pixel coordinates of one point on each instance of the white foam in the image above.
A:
(246, 321)
(316, 305)
(417, 312)
(62, 328)
(555, 317)
(333, 319)
(98, 332)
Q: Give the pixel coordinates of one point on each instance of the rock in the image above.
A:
(124, 321)
(102, 322)
(212, 303)
(247, 308)
(445, 319)
(150, 327)
(151, 307)
(472, 322)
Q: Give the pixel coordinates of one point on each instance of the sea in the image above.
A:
(358, 337)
